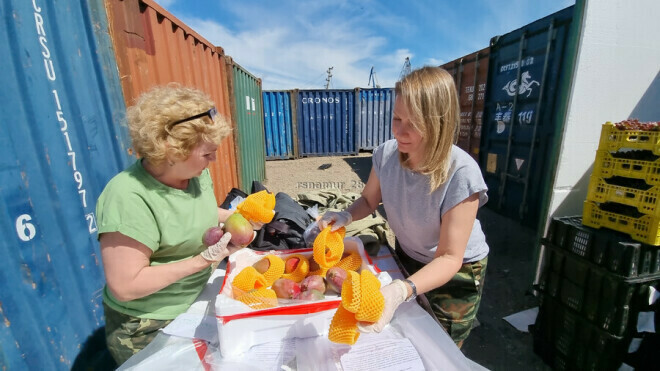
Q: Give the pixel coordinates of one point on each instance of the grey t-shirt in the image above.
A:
(415, 215)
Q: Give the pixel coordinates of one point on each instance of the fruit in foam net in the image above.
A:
(286, 289)
(313, 283)
(311, 295)
(262, 265)
(212, 236)
(291, 264)
(335, 278)
(240, 229)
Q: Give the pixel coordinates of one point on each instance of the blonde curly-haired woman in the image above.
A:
(151, 217)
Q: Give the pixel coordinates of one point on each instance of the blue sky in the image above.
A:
(290, 44)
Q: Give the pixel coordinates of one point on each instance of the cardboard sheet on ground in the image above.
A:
(522, 320)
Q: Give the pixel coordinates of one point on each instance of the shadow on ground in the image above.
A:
(94, 354)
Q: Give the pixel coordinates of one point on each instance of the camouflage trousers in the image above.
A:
(126, 335)
(454, 305)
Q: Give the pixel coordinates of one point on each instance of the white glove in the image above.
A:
(219, 251)
(394, 294)
(338, 219)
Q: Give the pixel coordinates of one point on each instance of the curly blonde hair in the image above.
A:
(430, 95)
(150, 123)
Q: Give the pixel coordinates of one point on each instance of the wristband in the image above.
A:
(413, 296)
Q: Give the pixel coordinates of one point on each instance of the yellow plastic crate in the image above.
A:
(607, 166)
(613, 139)
(644, 229)
(646, 201)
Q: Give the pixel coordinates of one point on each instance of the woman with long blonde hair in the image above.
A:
(431, 191)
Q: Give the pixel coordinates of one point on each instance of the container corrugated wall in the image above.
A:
(526, 68)
(326, 122)
(375, 108)
(154, 48)
(279, 125)
(248, 121)
(59, 145)
(470, 76)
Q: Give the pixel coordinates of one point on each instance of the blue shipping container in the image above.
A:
(279, 125)
(375, 108)
(326, 122)
(525, 69)
(60, 144)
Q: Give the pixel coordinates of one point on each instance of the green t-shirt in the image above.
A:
(167, 220)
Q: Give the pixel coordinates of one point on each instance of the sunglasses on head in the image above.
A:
(210, 113)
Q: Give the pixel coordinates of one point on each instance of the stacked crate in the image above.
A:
(594, 285)
(624, 189)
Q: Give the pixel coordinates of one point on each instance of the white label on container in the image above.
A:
(24, 229)
(247, 102)
(519, 163)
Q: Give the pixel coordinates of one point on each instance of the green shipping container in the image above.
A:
(248, 123)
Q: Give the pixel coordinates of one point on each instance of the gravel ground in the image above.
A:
(494, 344)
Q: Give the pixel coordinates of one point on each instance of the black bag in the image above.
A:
(286, 229)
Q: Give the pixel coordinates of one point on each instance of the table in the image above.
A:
(411, 322)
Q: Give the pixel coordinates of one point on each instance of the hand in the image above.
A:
(222, 248)
(338, 219)
(394, 294)
(219, 251)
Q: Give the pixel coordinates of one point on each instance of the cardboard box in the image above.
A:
(240, 327)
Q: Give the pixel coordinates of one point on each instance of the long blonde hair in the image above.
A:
(430, 95)
(150, 123)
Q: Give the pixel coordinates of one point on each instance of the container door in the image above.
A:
(525, 69)
(247, 111)
(60, 143)
(326, 122)
(278, 125)
(375, 117)
(470, 75)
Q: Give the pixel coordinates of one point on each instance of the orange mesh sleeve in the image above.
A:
(372, 302)
(258, 207)
(262, 298)
(350, 292)
(329, 247)
(301, 271)
(343, 327)
(352, 262)
(275, 269)
(249, 279)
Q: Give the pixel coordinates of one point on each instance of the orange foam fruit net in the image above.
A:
(262, 298)
(258, 207)
(352, 262)
(329, 247)
(275, 268)
(361, 300)
(301, 271)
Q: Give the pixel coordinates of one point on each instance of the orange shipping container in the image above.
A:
(470, 75)
(152, 47)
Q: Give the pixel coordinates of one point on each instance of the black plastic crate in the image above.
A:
(606, 300)
(614, 251)
(566, 341)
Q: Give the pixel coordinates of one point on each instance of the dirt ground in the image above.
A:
(494, 344)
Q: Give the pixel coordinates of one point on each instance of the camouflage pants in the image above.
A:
(127, 335)
(454, 305)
